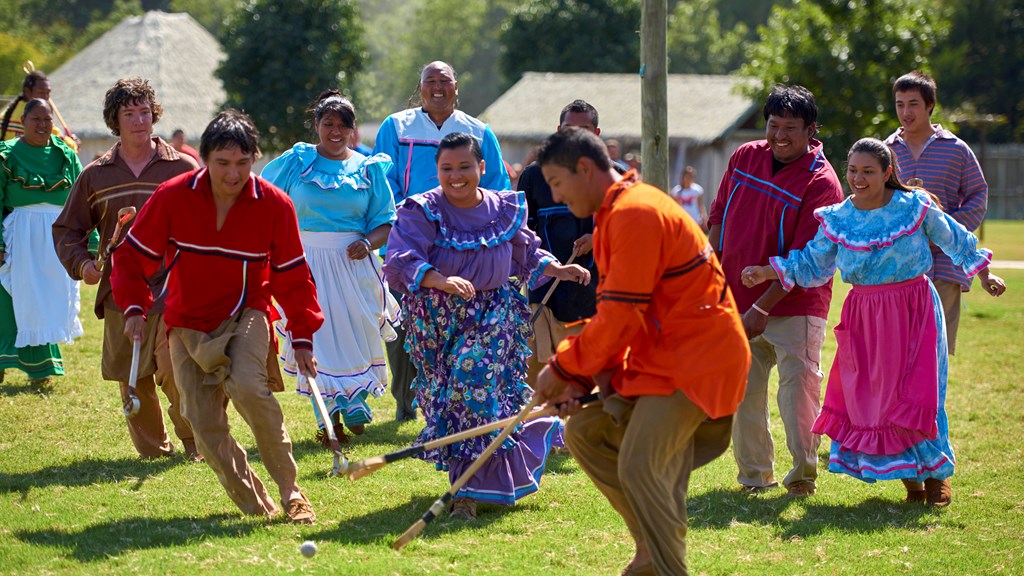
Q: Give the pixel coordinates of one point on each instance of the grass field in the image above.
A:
(74, 499)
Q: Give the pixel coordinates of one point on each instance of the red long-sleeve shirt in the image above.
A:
(213, 274)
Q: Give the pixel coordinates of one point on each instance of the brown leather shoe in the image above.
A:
(325, 440)
(299, 510)
(801, 489)
(939, 492)
(915, 491)
(357, 429)
(463, 509)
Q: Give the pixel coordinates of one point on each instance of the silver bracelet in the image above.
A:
(367, 242)
(759, 309)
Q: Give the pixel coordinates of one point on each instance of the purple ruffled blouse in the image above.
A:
(485, 244)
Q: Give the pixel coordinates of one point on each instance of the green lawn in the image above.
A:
(1005, 238)
(75, 500)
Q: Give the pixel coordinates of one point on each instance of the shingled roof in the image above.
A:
(701, 108)
(172, 51)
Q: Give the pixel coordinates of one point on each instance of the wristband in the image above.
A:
(759, 309)
(369, 246)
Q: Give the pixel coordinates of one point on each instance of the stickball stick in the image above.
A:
(132, 404)
(340, 462)
(357, 470)
(550, 291)
(124, 216)
(438, 506)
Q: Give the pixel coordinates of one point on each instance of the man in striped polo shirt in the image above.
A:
(946, 167)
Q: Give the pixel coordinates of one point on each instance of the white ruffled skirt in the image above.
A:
(358, 315)
(46, 299)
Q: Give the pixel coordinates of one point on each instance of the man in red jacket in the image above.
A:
(230, 242)
(667, 334)
(765, 207)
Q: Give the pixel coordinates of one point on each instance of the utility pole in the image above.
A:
(654, 147)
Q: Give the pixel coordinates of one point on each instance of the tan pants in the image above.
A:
(794, 344)
(146, 429)
(640, 454)
(950, 294)
(548, 331)
(230, 363)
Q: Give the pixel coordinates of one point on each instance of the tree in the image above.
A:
(981, 65)
(571, 36)
(848, 53)
(211, 14)
(699, 44)
(282, 53)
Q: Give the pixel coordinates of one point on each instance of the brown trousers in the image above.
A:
(548, 332)
(639, 453)
(146, 429)
(950, 294)
(230, 363)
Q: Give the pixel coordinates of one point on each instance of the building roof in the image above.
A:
(701, 108)
(172, 51)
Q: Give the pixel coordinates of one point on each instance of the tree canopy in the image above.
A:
(282, 53)
(571, 36)
(848, 53)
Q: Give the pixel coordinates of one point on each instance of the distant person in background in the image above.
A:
(946, 167)
(690, 196)
(35, 85)
(178, 142)
(357, 143)
(410, 138)
(38, 302)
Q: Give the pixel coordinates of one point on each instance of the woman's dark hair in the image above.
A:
(921, 82)
(565, 148)
(126, 92)
(886, 158)
(792, 102)
(331, 101)
(457, 140)
(229, 129)
(31, 79)
(35, 103)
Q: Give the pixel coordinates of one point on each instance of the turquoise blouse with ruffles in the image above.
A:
(881, 246)
(350, 195)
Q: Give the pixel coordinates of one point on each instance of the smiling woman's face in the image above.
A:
(459, 172)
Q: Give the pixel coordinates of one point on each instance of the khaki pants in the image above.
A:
(639, 453)
(794, 344)
(230, 363)
(548, 332)
(146, 429)
(950, 294)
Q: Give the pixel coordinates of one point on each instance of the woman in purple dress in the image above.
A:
(452, 251)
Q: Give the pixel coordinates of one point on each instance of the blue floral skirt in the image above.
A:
(471, 357)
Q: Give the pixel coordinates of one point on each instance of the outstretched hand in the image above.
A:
(754, 275)
(993, 284)
(572, 273)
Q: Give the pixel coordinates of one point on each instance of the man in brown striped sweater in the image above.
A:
(126, 175)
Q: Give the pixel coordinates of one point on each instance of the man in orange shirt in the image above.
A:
(667, 346)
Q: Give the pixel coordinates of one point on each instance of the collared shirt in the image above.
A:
(104, 187)
(948, 168)
(214, 274)
(762, 214)
(665, 319)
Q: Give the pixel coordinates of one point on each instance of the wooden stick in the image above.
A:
(551, 291)
(357, 470)
(63, 124)
(340, 462)
(438, 506)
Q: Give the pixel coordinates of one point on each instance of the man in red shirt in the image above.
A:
(230, 242)
(765, 207)
(666, 341)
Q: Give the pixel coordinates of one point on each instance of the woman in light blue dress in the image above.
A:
(885, 402)
(345, 209)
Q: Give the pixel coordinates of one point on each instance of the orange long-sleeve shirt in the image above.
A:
(665, 319)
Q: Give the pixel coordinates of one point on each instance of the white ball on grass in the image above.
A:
(308, 548)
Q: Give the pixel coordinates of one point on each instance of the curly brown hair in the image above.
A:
(127, 91)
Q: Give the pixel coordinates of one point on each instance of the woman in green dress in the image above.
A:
(38, 301)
